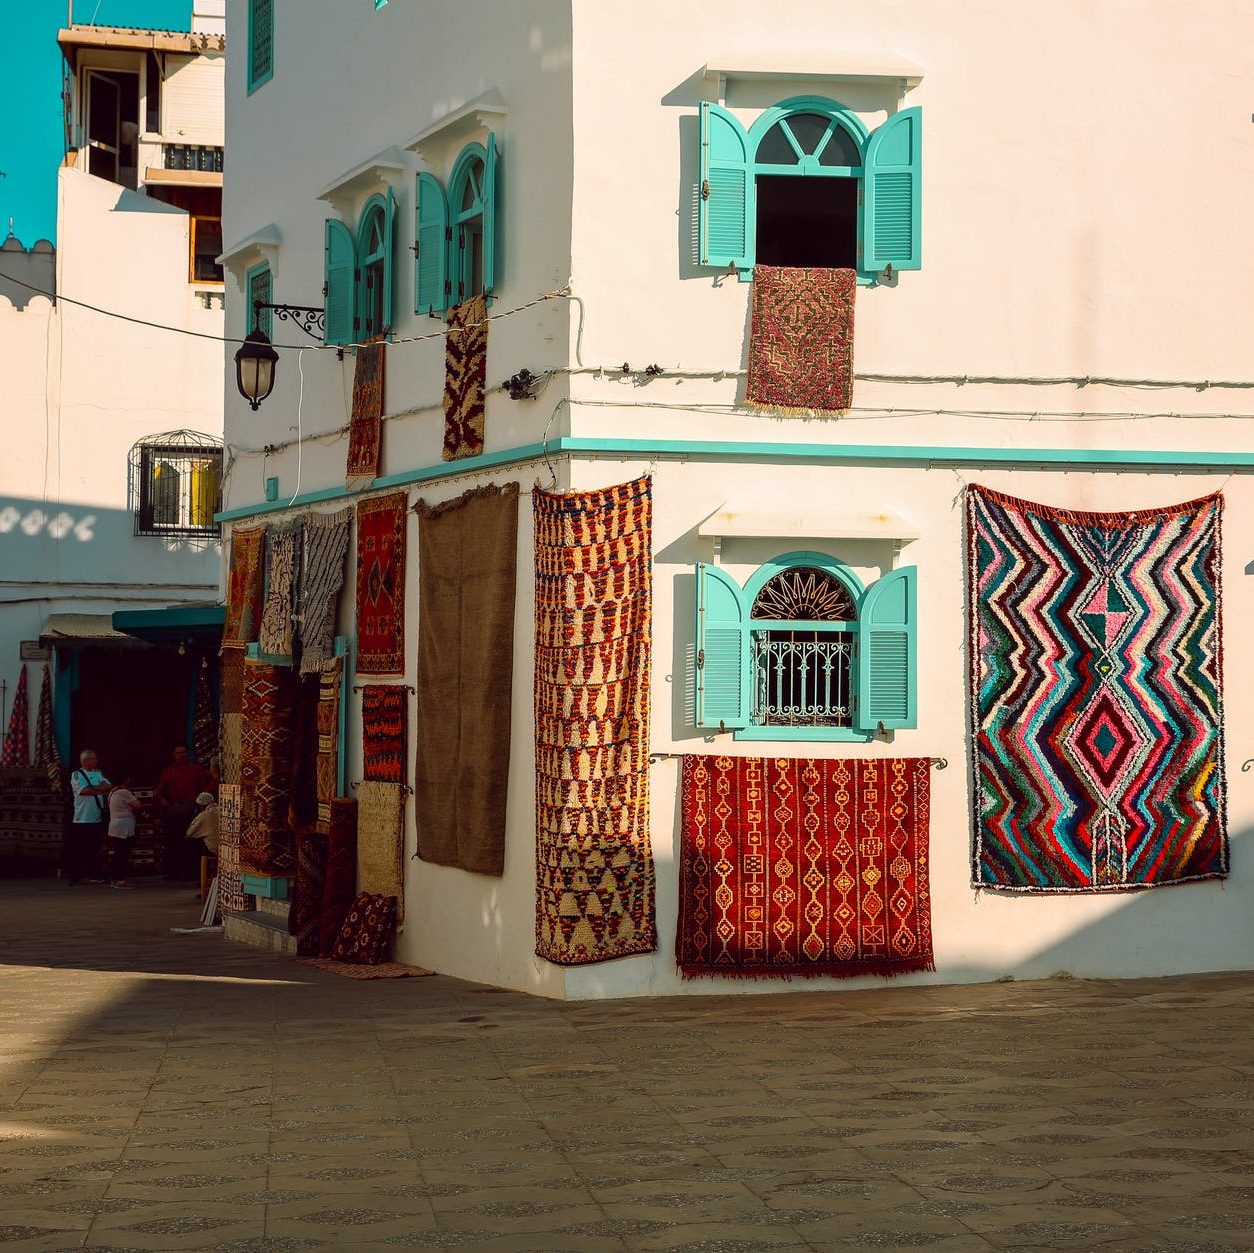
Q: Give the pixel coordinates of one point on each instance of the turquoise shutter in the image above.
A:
(726, 208)
(260, 43)
(340, 282)
(891, 194)
(489, 216)
(722, 686)
(431, 245)
(887, 649)
(389, 232)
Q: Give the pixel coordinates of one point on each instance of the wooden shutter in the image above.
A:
(259, 289)
(389, 233)
(721, 683)
(340, 286)
(887, 650)
(489, 216)
(891, 195)
(260, 42)
(726, 216)
(430, 245)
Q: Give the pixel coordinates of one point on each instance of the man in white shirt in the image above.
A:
(85, 833)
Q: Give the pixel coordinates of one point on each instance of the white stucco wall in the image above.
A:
(1057, 240)
(80, 389)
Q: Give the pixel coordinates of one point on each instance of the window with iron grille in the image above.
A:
(260, 43)
(176, 485)
(804, 625)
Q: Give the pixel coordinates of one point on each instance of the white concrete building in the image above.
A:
(113, 418)
(1045, 323)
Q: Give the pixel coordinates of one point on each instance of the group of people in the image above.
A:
(106, 810)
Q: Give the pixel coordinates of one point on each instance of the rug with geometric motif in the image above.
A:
(465, 374)
(804, 867)
(365, 428)
(801, 340)
(1095, 664)
(245, 585)
(384, 732)
(381, 584)
(266, 770)
(327, 777)
(595, 881)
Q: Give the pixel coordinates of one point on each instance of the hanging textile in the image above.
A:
(1095, 663)
(594, 588)
(384, 732)
(47, 757)
(330, 685)
(245, 585)
(304, 918)
(801, 340)
(204, 724)
(465, 374)
(804, 867)
(323, 558)
(302, 814)
(341, 879)
(467, 567)
(381, 584)
(266, 770)
(16, 750)
(231, 895)
(365, 428)
(282, 562)
(381, 842)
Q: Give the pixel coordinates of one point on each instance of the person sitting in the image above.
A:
(204, 826)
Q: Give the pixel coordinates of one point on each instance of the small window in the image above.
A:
(260, 43)
(152, 94)
(206, 249)
(803, 651)
(259, 285)
(176, 485)
(374, 277)
(467, 207)
(113, 126)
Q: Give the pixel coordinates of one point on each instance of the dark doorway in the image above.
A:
(132, 707)
(807, 221)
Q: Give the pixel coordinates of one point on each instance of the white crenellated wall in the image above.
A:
(1060, 238)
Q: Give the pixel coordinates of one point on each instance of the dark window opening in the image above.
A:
(152, 109)
(372, 303)
(113, 127)
(206, 249)
(807, 221)
(175, 488)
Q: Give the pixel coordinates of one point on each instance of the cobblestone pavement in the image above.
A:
(162, 1091)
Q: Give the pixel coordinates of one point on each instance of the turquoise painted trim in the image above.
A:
(175, 616)
(254, 289)
(807, 454)
(792, 735)
(260, 10)
(341, 758)
(253, 653)
(66, 680)
(273, 888)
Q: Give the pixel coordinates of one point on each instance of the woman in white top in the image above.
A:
(122, 810)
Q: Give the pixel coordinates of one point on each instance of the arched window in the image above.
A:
(803, 622)
(374, 260)
(808, 185)
(803, 651)
(466, 210)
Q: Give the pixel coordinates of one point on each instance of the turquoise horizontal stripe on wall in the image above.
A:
(1093, 459)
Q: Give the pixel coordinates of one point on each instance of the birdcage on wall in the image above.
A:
(176, 485)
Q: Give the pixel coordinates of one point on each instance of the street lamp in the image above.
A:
(256, 358)
(254, 368)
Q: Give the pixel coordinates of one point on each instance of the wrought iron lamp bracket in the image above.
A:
(311, 320)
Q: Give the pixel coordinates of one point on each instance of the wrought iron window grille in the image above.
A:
(175, 485)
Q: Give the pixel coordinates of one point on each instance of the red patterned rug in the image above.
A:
(594, 588)
(245, 585)
(340, 889)
(804, 867)
(304, 919)
(384, 727)
(327, 780)
(266, 770)
(465, 373)
(17, 737)
(381, 584)
(365, 430)
(801, 340)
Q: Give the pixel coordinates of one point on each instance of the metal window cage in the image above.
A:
(175, 485)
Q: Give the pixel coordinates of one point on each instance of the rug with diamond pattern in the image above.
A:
(794, 866)
(381, 585)
(1095, 667)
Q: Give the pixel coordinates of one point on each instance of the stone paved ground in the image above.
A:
(172, 1092)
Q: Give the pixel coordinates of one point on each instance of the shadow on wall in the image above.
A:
(68, 542)
(36, 268)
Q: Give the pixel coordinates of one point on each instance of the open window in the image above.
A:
(807, 185)
(206, 248)
(113, 126)
(358, 273)
(804, 651)
(455, 231)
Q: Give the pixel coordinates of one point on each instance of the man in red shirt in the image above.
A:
(180, 783)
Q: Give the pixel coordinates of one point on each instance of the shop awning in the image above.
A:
(86, 629)
(171, 623)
